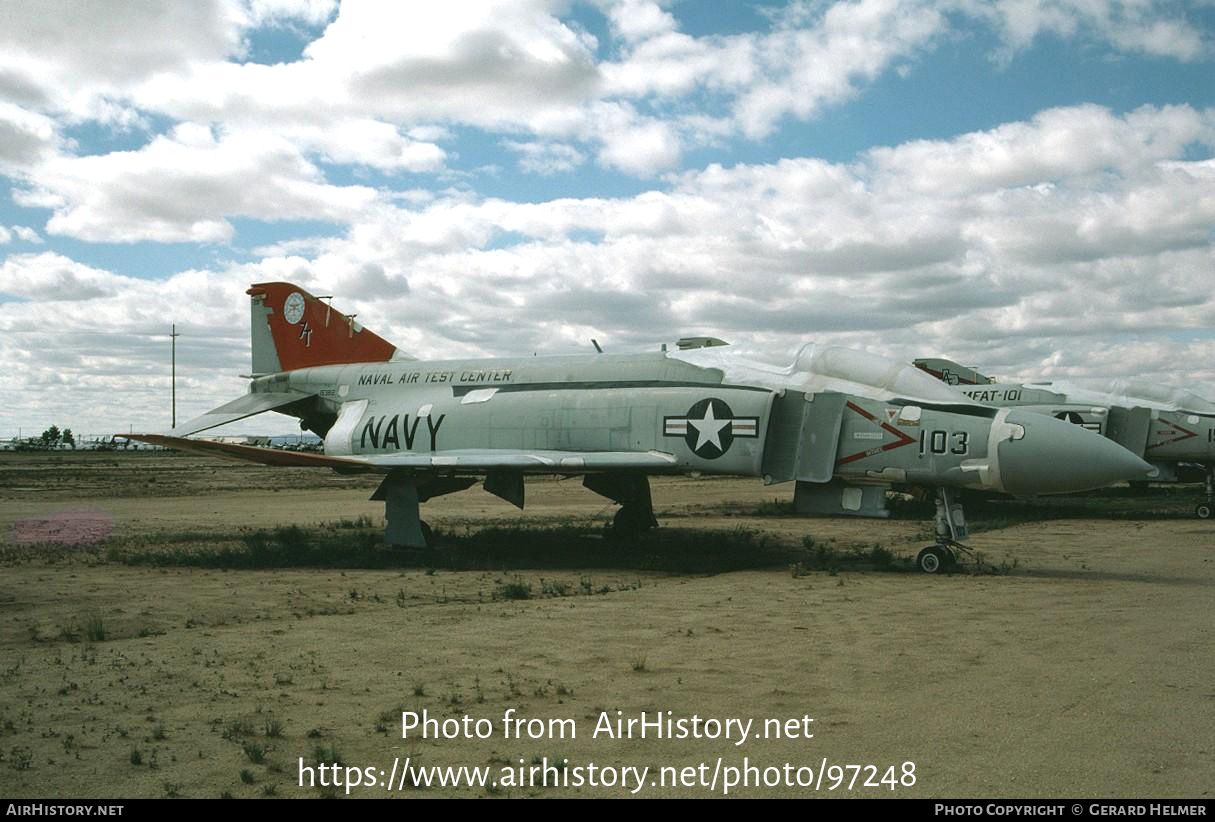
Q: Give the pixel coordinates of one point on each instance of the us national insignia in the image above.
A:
(710, 427)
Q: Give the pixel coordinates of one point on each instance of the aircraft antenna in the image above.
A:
(328, 307)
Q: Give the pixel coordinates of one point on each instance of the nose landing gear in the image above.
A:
(951, 529)
(1203, 509)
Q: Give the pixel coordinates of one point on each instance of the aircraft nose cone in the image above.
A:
(1057, 457)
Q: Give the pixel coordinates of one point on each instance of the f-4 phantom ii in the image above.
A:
(843, 425)
(1171, 428)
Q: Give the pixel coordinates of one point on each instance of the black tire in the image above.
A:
(630, 521)
(1203, 511)
(933, 560)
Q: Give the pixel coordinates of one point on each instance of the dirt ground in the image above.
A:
(1082, 666)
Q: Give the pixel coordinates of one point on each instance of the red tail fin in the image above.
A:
(293, 329)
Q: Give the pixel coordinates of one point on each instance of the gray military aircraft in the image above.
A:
(843, 425)
(1171, 428)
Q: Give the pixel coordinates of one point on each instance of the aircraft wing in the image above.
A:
(252, 453)
(535, 462)
(461, 461)
(238, 409)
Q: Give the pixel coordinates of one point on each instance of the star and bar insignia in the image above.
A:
(710, 427)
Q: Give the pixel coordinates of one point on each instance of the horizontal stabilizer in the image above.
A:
(464, 461)
(238, 409)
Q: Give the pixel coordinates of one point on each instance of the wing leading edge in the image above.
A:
(463, 461)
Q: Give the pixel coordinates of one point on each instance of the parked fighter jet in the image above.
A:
(843, 425)
(1170, 428)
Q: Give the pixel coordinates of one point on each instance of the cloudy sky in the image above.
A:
(1025, 185)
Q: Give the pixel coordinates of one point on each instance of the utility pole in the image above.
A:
(173, 335)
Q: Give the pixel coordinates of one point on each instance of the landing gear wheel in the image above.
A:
(934, 559)
(1203, 511)
(630, 521)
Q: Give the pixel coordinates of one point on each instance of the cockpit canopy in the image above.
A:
(887, 375)
(819, 368)
(1134, 392)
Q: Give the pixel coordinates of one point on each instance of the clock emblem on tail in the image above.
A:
(293, 308)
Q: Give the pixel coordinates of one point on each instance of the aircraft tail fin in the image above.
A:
(950, 372)
(292, 329)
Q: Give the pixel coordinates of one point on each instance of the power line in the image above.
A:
(173, 335)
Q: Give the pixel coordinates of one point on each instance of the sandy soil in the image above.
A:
(1084, 670)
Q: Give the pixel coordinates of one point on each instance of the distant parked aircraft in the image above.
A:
(1170, 428)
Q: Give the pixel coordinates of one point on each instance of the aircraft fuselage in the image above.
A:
(757, 424)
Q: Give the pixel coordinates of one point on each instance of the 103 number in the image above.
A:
(944, 442)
